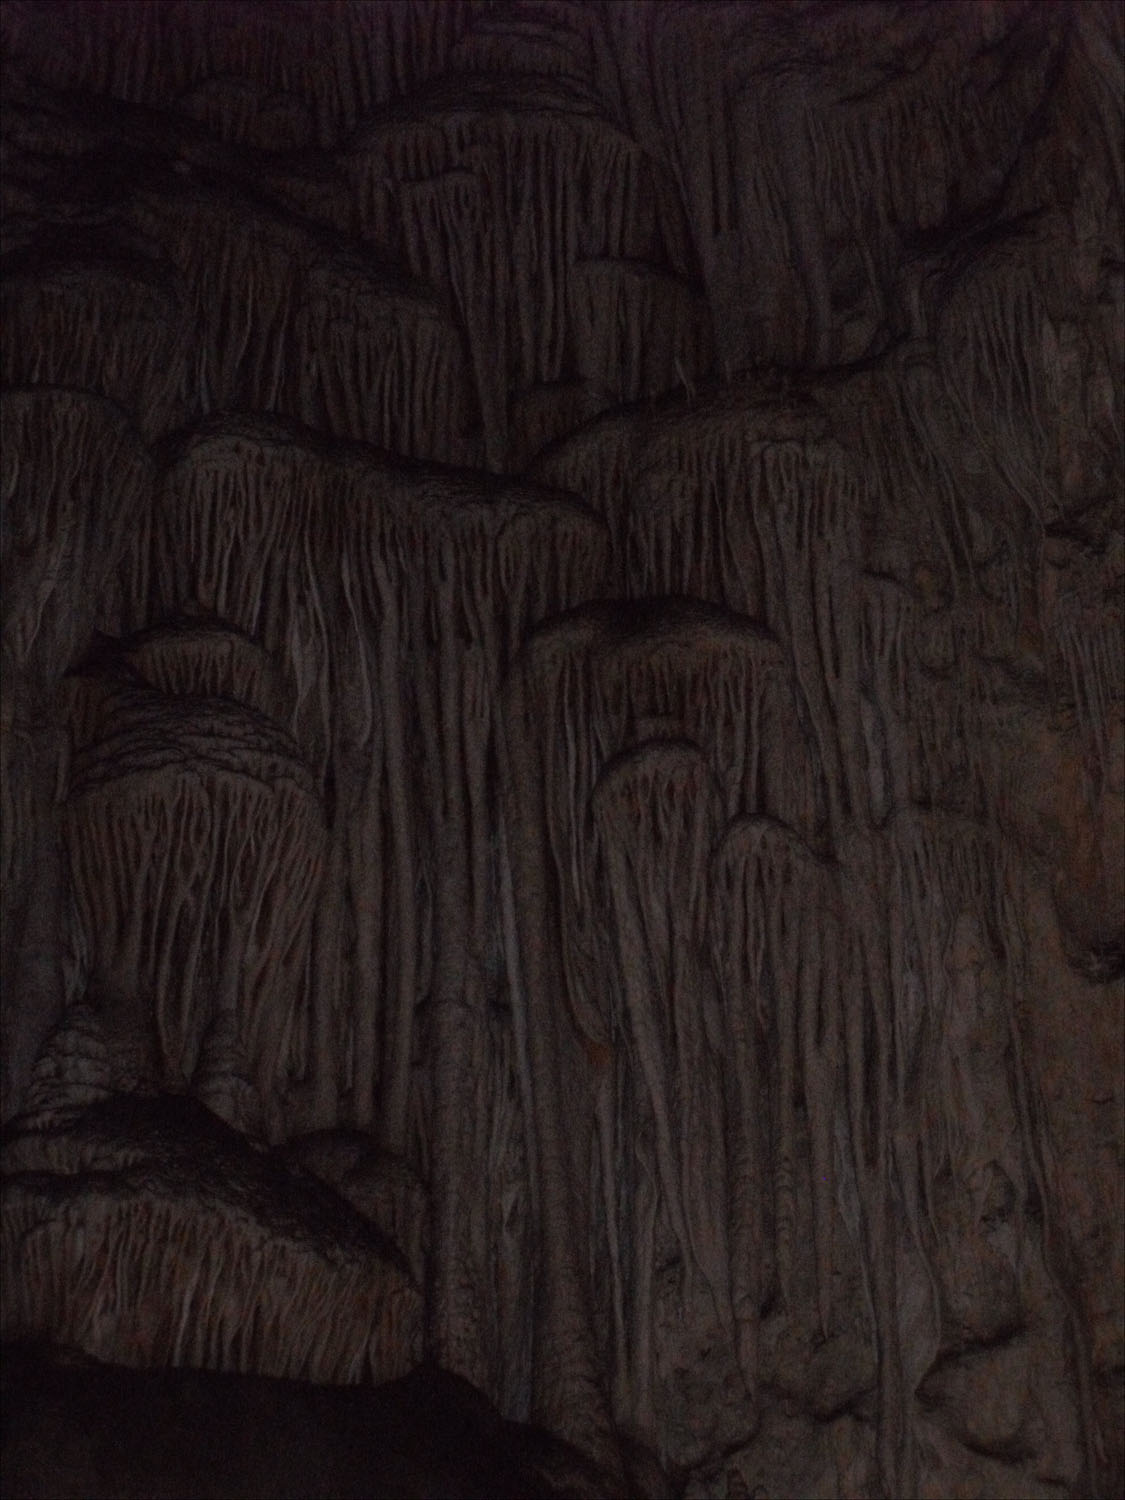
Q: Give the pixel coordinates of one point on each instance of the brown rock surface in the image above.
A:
(563, 660)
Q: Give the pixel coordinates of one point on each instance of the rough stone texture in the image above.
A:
(144, 1229)
(563, 676)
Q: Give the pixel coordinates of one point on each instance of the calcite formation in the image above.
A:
(563, 717)
(145, 1230)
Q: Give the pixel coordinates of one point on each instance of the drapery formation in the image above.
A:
(562, 647)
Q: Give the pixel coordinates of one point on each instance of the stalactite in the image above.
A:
(634, 327)
(244, 269)
(712, 501)
(887, 665)
(397, 1064)
(495, 197)
(916, 136)
(567, 1389)
(973, 575)
(656, 856)
(20, 805)
(952, 759)
(691, 85)
(381, 53)
(685, 492)
(709, 672)
(745, 1087)
(596, 463)
(198, 657)
(810, 498)
(790, 114)
(990, 334)
(435, 557)
(74, 477)
(518, 43)
(868, 1055)
(1083, 624)
(195, 843)
(375, 359)
(361, 752)
(596, 677)
(108, 323)
(232, 1271)
(221, 1079)
(937, 456)
(977, 964)
(783, 965)
(530, 550)
(73, 1070)
(320, 1060)
(944, 867)
(245, 512)
(655, 809)
(800, 158)
(377, 1183)
(1100, 50)
(501, 1234)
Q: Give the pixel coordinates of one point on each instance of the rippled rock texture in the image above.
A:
(562, 731)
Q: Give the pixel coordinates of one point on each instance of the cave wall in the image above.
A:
(562, 674)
